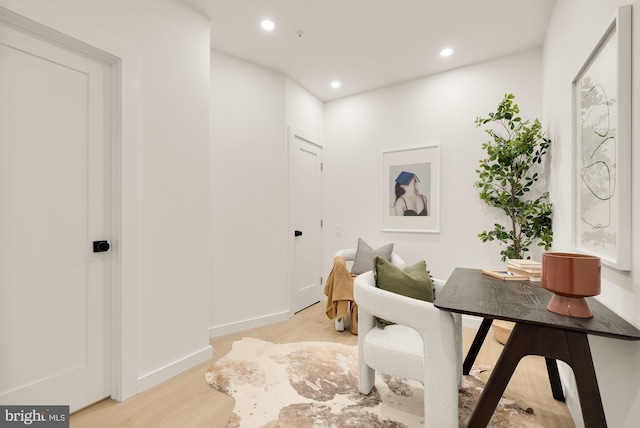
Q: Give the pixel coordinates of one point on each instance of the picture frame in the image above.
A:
(417, 171)
(602, 147)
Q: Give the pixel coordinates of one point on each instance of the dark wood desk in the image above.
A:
(537, 332)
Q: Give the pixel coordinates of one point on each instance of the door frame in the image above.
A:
(122, 59)
(292, 133)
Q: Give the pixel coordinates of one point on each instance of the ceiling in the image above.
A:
(367, 44)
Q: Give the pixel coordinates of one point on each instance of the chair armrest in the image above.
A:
(417, 314)
(348, 254)
(438, 284)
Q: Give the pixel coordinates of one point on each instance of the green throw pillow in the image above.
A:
(413, 281)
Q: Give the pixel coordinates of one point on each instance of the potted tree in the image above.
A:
(506, 178)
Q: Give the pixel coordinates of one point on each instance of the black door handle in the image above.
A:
(297, 233)
(100, 246)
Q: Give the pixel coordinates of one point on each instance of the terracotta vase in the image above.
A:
(571, 278)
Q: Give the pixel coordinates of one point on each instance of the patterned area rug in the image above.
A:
(315, 385)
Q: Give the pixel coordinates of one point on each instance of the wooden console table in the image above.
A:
(537, 332)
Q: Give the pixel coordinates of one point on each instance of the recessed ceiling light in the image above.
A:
(267, 25)
(335, 84)
(446, 52)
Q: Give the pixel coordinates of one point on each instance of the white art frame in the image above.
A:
(602, 147)
(424, 162)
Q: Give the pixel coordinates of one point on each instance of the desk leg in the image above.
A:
(472, 354)
(526, 339)
(500, 376)
(554, 379)
(476, 345)
(582, 364)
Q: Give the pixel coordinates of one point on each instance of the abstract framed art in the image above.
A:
(411, 190)
(602, 133)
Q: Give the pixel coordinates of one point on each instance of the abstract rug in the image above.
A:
(315, 385)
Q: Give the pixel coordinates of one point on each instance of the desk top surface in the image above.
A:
(469, 291)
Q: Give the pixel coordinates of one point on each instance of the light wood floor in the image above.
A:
(187, 401)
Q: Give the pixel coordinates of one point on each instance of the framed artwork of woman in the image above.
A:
(410, 190)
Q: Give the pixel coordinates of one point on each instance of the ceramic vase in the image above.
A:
(571, 278)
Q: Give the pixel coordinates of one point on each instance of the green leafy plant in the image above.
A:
(506, 179)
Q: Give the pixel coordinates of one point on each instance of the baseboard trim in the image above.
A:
(235, 327)
(162, 374)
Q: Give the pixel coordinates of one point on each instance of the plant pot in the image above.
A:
(502, 330)
(571, 278)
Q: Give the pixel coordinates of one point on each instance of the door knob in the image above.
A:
(100, 246)
(297, 233)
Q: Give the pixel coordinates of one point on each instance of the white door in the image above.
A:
(55, 167)
(305, 184)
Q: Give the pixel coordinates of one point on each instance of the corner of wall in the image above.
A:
(168, 371)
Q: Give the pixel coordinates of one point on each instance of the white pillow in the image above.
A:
(365, 254)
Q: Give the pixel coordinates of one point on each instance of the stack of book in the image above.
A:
(518, 270)
(505, 275)
(532, 270)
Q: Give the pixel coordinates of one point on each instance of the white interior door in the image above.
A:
(305, 184)
(55, 167)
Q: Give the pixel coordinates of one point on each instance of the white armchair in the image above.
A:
(349, 255)
(425, 345)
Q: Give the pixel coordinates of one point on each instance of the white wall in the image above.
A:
(164, 289)
(572, 34)
(251, 107)
(248, 191)
(304, 111)
(439, 109)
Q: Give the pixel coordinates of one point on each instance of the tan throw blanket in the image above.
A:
(339, 290)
